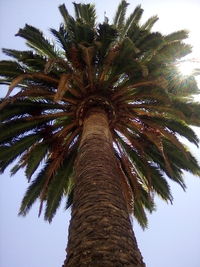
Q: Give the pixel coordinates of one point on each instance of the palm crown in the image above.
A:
(122, 67)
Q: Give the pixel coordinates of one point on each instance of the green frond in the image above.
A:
(36, 40)
(64, 12)
(182, 86)
(145, 202)
(16, 168)
(132, 21)
(176, 36)
(191, 110)
(85, 13)
(123, 63)
(61, 36)
(135, 16)
(32, 61)
(179, 127)
(140, 215)
(147, 26)
(149, 42)
(17, 108)
(174, 151)
(132, 28)
(160, 184)
(128, 46)
(14, 128)
(106, 34)
(141, 167)
(171, 52)
(33, 192)
(77, 31)
(10, 69)
(175, 175)
(8, 153)
(168, 135)
(58, 185)
(9, 112)
(35, 157)
(83, 34)
(119, 18)
(187, 163)
(148, 94)
(69, 139)
(142, 201)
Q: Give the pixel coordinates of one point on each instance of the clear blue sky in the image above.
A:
(173, 237)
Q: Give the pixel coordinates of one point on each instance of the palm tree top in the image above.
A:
(122, 67)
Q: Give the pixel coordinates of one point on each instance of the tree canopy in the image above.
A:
(125, 68)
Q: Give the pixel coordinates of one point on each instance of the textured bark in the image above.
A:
(100, 232)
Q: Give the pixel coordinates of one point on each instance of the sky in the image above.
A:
(173, 236)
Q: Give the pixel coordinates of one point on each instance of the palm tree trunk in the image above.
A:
(100, 232)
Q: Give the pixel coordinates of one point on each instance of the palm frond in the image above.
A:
(119, 18)
(34, 158)
(37, 41)
(133, 20)
(85, 13)
(10, 69)
(147, 26)
(145, 202)
(33, 192)
(30, 60)
(14, 128)
(8, 153)
(177, 36)
(58, 185)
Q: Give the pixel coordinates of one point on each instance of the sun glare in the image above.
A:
(186, 68)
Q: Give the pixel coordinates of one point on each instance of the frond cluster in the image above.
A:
(123, 67)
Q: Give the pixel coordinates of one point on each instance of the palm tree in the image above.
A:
(103, 110)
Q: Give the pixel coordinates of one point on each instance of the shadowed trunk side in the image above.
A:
(100, 232)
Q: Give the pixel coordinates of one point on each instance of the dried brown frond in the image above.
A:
(74, 55)
(88, 54)
(63, 86)
(112, 54)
